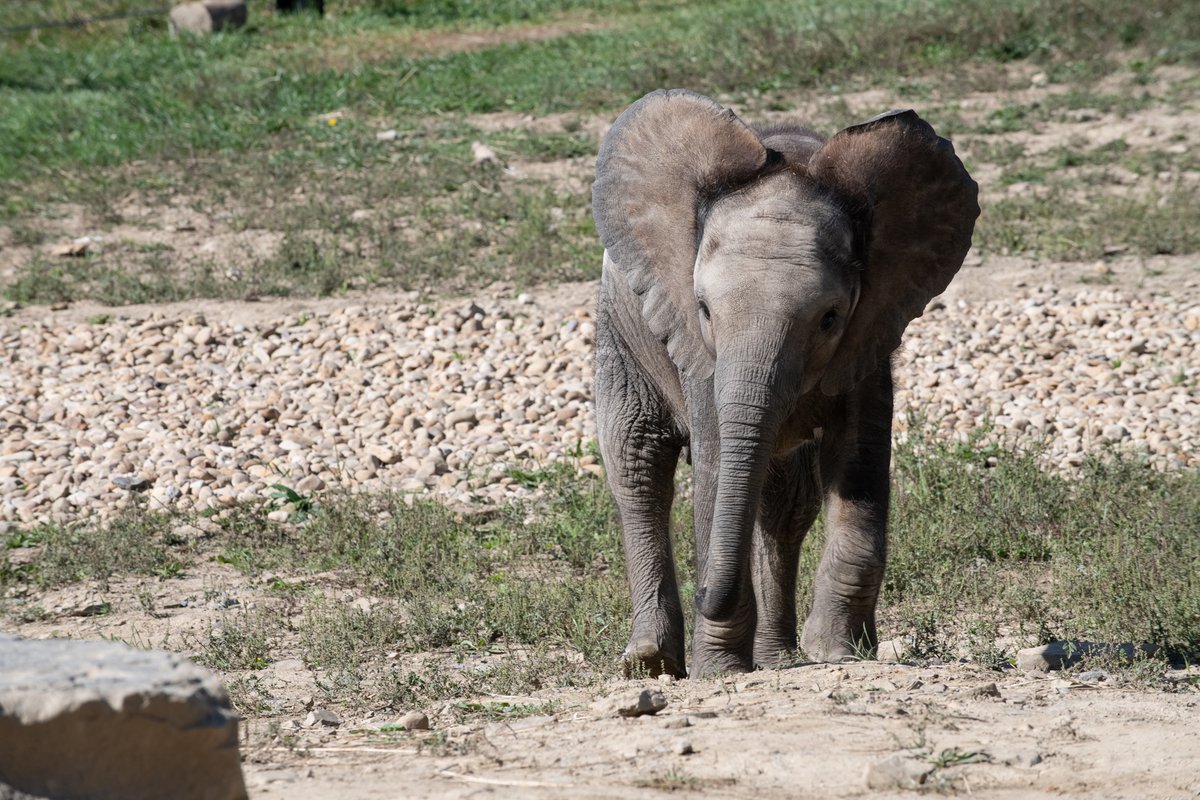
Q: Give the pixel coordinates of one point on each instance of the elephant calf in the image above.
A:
(754, 286)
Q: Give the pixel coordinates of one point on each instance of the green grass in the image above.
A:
(1106, 556)
(144, 94)
(230, 126)
(1064, 223)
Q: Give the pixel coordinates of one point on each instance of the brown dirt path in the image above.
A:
(813, 731)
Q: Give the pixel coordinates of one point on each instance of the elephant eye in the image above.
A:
(829, 320)
(704, 312)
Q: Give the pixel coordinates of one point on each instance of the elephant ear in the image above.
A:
(667, 157)
(920, 206)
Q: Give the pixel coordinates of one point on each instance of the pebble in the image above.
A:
(898, 771)
(643, 703)
(322, 717)
(415, 721)
(449, 401)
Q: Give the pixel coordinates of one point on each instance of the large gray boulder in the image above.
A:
(102, 721)
(209, 16)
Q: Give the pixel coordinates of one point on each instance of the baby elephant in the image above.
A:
(755, 284)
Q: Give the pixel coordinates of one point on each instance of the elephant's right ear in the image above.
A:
(664, 160)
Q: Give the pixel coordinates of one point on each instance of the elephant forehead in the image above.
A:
(779, 218)
(754, 240)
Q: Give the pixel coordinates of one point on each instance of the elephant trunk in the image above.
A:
(750, 410)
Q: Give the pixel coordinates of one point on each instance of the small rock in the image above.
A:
(389, 135)
(74, 249)
(310, 484)
(1093, 676)
(323, 717)
(898, 771)
(892, 650)
(682, 747)
(209, 16)
(415, 721)
(673, 723)
(1058, 655)
(481, 153)
(462, 415)
(132, 483)
(384, 455)
(648, 701)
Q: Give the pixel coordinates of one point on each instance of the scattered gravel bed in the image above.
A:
(457, 399)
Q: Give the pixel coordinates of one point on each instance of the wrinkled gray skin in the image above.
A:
(754, 287)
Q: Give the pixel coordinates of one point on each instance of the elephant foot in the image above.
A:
(714, 665)
(838, 640)
(775, 654)
(645, 655)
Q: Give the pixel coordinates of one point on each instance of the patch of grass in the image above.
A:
(241, 641)
(985, 542)
(1024, 174)
(534, 597)
(1009, 119)
(137, 542)
(1061, 224)
(550, 146)
(43, 281)
(501, 709)
(1102, 557)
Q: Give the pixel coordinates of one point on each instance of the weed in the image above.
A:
(136, 542)
(288, 498)
(501, 709)
(953, 757)
(241, 641)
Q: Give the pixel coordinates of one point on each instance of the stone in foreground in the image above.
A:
(102, 721)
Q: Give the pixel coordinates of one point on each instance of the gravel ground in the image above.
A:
(456, 399)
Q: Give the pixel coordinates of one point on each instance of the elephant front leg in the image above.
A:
(842, 621)
(791, 500)
(640, 453)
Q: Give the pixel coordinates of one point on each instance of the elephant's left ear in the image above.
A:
(921, 207)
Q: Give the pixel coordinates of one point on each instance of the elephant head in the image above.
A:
(776, 263)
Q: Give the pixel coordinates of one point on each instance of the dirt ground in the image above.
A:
(817, 731)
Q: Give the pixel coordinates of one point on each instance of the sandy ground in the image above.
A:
(816, 731)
